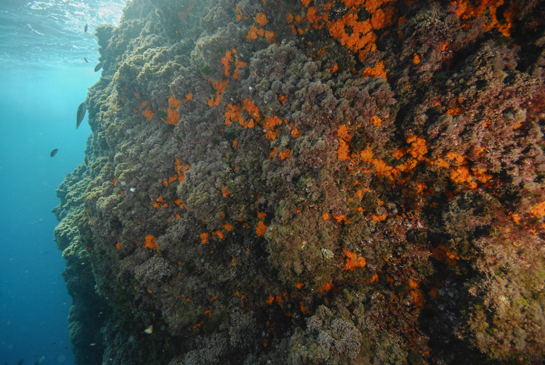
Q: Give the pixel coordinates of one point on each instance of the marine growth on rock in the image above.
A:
(311, 182)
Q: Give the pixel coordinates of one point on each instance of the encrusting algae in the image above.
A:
(329, 182)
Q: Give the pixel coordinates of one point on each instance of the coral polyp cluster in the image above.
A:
(312, 182)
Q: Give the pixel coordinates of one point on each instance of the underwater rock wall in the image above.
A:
(311, 182)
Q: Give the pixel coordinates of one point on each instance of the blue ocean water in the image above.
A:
(43, 79)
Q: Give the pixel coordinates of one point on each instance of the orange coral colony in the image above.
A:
(148, 114)
(150, 242)
(261, 229)
(261, 19)
(353, 261)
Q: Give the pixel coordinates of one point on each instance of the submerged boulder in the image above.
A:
(302, 182)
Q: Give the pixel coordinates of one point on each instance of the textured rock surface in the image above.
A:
(312, 182)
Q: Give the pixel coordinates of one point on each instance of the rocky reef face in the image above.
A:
(312, 182)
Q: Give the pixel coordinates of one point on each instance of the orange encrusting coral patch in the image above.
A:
(480, 175)
(455, 111)
(238, 65)
(442, 253)
(238, 13)
(326, 287)
(353, 261)
(383, 18)
(316, 19)
(294, 131)
(343, 152)
(379, 218)
(204, 237)
(228, 227)
(355, 35)
(220, 87)
(418, 146)
(376, 71)
(252, 109)
(261, 229)
(538, 210)
(460, 174)
(285, 154)
(172, 117)
(376, 121)
(225, 191)
(254, 32)
(456, 158)
(467, 10)
(148, 114)
(173, 102)
(303, 308)
(342, 132)
(261, 19)
(232, 114)
(417, 294)
(227, 60)
(270, 125)
(180, 176)
(150, 242)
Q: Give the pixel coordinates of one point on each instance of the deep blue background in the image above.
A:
(37, 114)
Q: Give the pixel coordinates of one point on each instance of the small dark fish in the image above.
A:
(99, 66)
(85, 59)
(20, 362)
(54, 152)
(81, 113)
(85, 28)
(86, 160)
(54, 343)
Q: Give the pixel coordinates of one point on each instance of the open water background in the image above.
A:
(43, 79)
